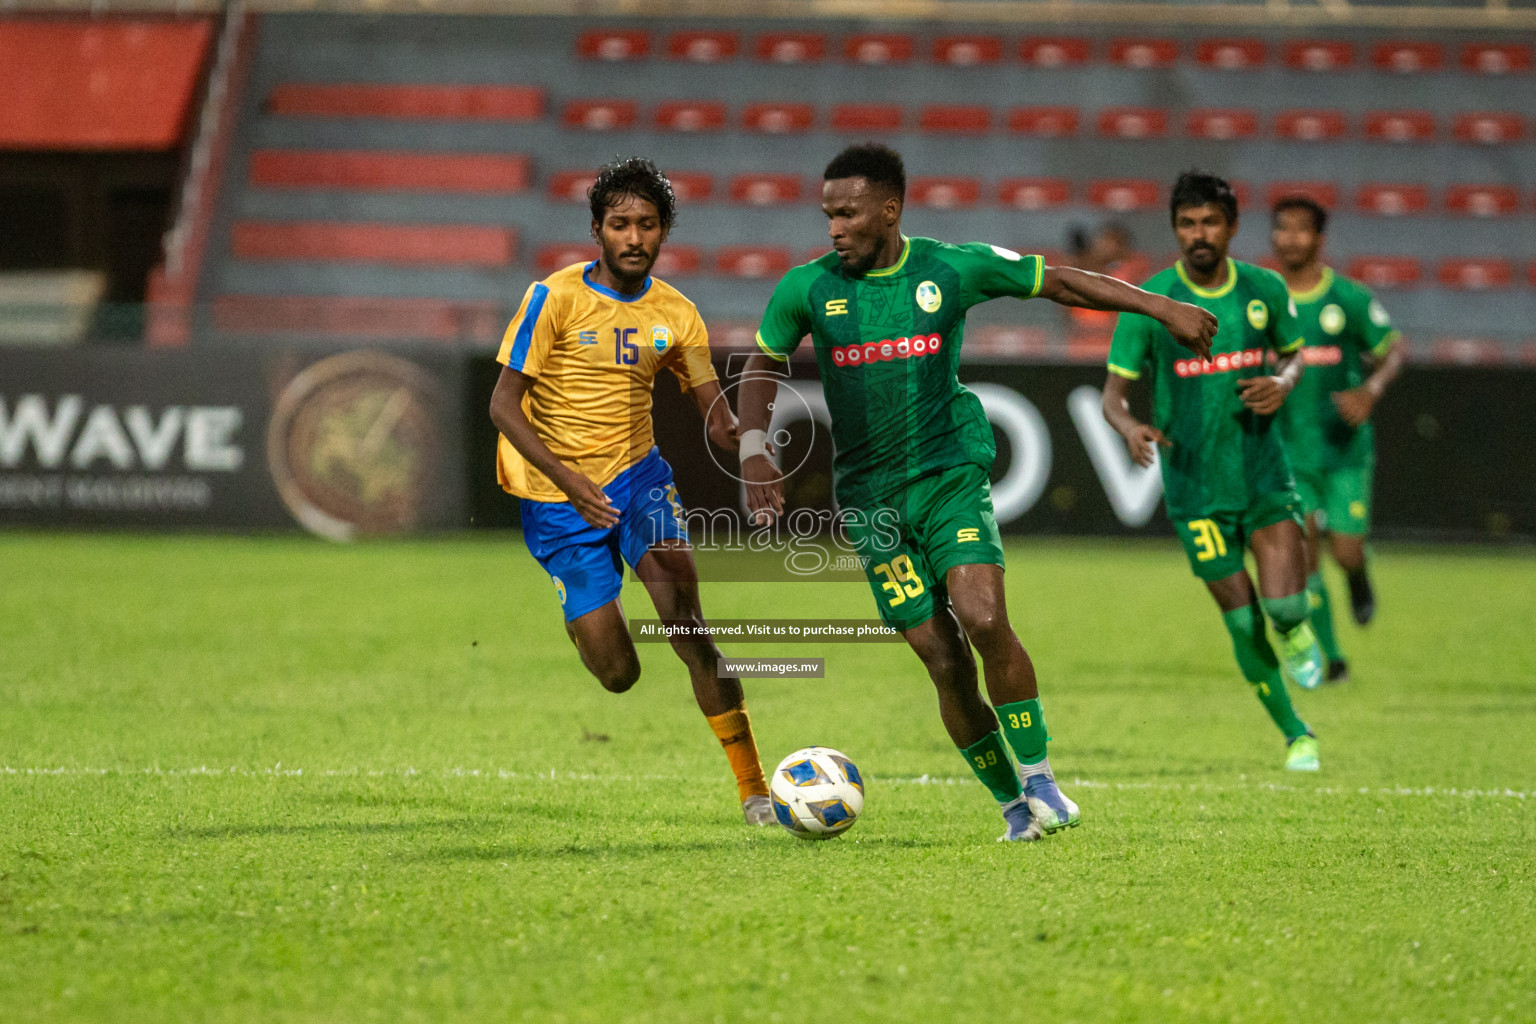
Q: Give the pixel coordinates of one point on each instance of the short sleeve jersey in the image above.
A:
(1342, 322)
(1222, 455)
(888, 345)
(594, 354)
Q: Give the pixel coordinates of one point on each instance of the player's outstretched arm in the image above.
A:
(719, 421)
(1139, 437)
(507, 414)
(1265, 395)
(1189, 325)
(765, 484)
(1356, 404)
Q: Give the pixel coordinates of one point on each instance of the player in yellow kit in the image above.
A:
(573, 405)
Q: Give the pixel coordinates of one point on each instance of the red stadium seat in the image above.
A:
(600, 115)
(332, 241)
(1054, 51)
(1222, 125)
(791, 47)
(1531, 274)
(1467, 351)
(1324, 193)
(967, 51)
(1407, 57)
(752, 261)
(1476, 274)
(690, 116)
(1231, 54)
(944, 193)
(878, 48)
(558, 255)
(866, 117)
(434, 102)
(373, 319)
(1309, 125)
(703, 47)
(678, 261)
(692, 186)
(1385, 271)
(571, 186)
(1495, 58)
(1123, 195)
(614, 44)
(1318, 55)
(1399, 126)
(1489, 129)
(778, 118)
(955, 120)
(372, 170)
(765, 189)
(1034, 193)
(1392, 200)
(1482, 200)
(1133, 122)
(1143, 53)
(1043, 122)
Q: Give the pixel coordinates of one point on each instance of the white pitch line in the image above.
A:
(278, 771)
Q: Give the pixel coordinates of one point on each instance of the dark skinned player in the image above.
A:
(1226, 481)
(886, 314)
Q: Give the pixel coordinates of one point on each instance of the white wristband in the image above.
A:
(753, 443)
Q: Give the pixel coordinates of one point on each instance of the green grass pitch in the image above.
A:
(275, 780)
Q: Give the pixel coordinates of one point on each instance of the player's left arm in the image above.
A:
(696, 373)
(1189, 325)
(1382, 344)
(1266, 394)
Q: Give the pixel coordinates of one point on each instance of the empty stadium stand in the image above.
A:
(406, 177)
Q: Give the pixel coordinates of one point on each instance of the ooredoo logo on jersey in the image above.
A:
(887, 350)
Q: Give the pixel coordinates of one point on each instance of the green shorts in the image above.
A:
(1214, 543)
(1339, 498)
(919, 534)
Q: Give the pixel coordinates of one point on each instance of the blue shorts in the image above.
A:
(587, 562)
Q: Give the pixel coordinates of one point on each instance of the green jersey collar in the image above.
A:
(1317, 291)
(906, 249)
(1209, 293)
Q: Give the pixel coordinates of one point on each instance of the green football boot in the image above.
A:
(1301, 658)
(1301, 755)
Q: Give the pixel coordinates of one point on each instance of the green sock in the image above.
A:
(1260, 667)
(1024, 725)
(1322, 617)
(988, 758)
(1287, 612)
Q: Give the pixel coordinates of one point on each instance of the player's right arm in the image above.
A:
(1190, 325)
(1127, 355)
(523, 351)
(785, 322)
(1379, 341)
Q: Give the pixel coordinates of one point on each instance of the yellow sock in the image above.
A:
(735, 733)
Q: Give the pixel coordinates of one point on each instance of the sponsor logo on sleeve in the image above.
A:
(1378, 314)
(1007, 254)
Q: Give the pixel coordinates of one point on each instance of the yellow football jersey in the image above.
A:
(595, 354)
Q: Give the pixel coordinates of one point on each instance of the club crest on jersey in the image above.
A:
(661, 337)
(1331, 318)
(887, 350)
(1258, 314)
(929, 298)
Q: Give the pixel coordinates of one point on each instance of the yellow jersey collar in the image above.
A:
(1209, 293)
(906, 248)
(1317, 291)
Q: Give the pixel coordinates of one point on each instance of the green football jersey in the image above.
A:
(1342, 322)
(1222, 455)
(888, 345)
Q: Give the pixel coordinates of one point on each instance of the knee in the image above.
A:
(988, 630)
(949, 668)
(619, 674)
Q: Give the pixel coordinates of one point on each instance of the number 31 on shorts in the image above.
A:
(901, 579)
(1209, 543)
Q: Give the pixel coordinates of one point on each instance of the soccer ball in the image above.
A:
(817, 793)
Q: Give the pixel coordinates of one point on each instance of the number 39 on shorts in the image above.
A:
(901, 580)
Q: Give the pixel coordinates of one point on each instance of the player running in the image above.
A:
(573, 405)
(1326, 421)
(1226, 481)
(886, 315)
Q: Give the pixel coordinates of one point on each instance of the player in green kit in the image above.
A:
(886, 314)
(1352, 355)
(1226, 481)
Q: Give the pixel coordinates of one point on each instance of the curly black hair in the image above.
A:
(1196, 188)
(635, 176)
(1312, 206)
(879, 165)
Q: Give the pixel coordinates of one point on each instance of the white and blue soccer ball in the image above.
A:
(817, 793)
